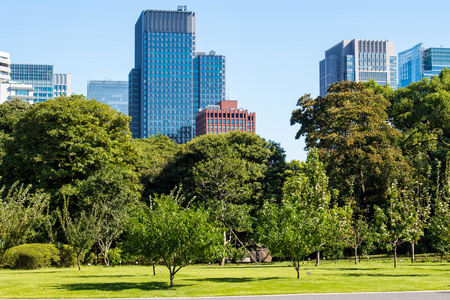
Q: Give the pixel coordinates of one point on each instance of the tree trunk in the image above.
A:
(318, 258)
(395, 256)
(356, 255)
(171, 279)
(412, 252)
(222, 263)
(79, 261)
(154, 268)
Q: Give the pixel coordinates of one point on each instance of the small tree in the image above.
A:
(81, 232)
(401, 220)
(305, 220)
(168, 232)
(19, 212)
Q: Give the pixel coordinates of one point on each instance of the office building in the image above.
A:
(113, 93)
(224, 117)
(39, 76)
(359, 60)
(171, 81)
(419, 62)
(62, 84)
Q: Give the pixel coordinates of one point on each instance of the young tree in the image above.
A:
(20, 211)
(83, 231)
(168, 232)
(306, 220)
(402, 220)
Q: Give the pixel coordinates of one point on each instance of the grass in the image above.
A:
(204, 280)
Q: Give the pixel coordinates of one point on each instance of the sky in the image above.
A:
(272, 48)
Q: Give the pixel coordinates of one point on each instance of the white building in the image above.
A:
(10, 90)
(62, 84)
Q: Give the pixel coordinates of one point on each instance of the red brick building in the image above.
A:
(224, 117)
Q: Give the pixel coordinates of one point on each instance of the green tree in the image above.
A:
(350, 128)
(167, 231)
(306, 219)
(403, 219)
(20, 212)
(225, 182)
(83, 231)
(63, 140)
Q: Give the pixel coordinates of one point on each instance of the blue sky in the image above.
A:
(273, 48)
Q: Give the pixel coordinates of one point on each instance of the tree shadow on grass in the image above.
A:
(385, 275)
(235, 280)
(119, 286)
(105, 276)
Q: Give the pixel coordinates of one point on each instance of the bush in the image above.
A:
(31, 256)
(68, 257)
(114, 256)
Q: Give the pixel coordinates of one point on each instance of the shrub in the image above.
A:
(114, 256)
(67, 255)
(31, 256)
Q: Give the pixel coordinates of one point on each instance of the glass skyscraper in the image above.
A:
(419, 62)
(170, 81)
(359, 60)
(113, 93)
(39, 76)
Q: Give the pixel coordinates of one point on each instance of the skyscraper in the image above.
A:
(170, 81)
(62, 84)
(419, 62)
(113, 93)
(39, 76)
(359, 60)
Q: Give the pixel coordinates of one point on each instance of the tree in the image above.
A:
(350, 128)
(83, 231)
(225, 182)
(167, 231)
(402, 220)
(20, 212)
(306, 220)
(63, 140)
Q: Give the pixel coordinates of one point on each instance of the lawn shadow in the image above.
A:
(385, 275)
(235, 280)
(105, 276)
(119, 286)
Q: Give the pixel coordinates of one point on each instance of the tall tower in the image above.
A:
(359, 60)
(166, 84)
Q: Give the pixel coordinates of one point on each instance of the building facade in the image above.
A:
(39, 76)
(113, 93)
(170, 81)
(5, 66)
(359, 60)
(419, 62)
(62, 84)
(224, 116)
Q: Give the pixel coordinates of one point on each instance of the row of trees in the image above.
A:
(375, 175)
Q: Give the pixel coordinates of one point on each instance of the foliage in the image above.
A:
(168, 232)
(68, 258)
(422, 112)
(20, 212)
(32, 256)
(82, 231)
(350, 128)
(306, 219)
(404, 219)
(63, 140)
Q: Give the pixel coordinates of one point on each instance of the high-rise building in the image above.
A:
(224, 117)
(359, 60)
(39, 76)
(62, 84)
(113, 93)
(419, 62)
(170, 81)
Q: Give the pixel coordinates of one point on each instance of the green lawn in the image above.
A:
(204, 280)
